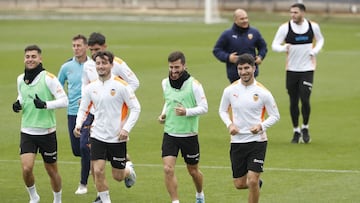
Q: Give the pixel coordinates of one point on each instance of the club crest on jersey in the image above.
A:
(250, 36)
(256, 97)
(112, 92)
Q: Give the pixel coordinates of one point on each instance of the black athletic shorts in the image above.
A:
(189, 147)
(113, 152)
(247, 157)
(299, 82)
(45, 144)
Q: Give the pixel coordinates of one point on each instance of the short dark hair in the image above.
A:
(79, 36)
(96, 38)
(299, 5)
(32, 48)
(103, 54)
(246, 58)
(176, 55)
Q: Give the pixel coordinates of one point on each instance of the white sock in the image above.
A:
(201, 194)
(304, 126)
(128, 163)
(33, 193)
(297, 129)
(175, 201)
(127, 166)
(57, 197)
(105, 196)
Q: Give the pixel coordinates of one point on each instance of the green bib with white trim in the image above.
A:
(185, 97)
(33, 117)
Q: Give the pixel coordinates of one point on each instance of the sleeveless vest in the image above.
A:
(31, 116)
(185, 97)
(294, 38)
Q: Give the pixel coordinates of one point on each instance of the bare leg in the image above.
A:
(99, 175)
(54, 175)
(170, 178)
(27, 163)
(197, 176)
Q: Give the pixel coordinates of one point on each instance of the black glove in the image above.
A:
(17, 106)
(40, 104)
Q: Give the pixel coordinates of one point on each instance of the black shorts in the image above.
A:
(247, 157)
(45, 144)
(299, 82)
(189, 147)
(113, 152)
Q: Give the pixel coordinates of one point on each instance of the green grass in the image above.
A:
(327, 170)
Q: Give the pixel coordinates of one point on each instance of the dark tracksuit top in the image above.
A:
(240, 40)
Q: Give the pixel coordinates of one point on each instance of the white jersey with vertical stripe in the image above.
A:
(110, 101)
(247, 106)
(120, 69)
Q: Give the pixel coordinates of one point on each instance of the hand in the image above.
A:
(123, 135)
(76, 132)
(40, 104)
(180, 110)
(287, 46)
(233, 130)
(233, 57)
(257, 129)
(162, 118)
(17, 106)
(258, 60)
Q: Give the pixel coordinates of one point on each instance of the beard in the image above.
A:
(176, 75)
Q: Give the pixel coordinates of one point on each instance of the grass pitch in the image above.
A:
(327, 170)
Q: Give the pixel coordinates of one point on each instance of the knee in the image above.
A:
(119, 176)
(52, 170)
(169, 170)
(27, 170)
(253, 182)
(305, 102)
(194, 172)
(98, 172)
(239, 184)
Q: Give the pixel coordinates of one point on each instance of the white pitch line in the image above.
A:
(310, 170)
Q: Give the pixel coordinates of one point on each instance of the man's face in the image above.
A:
(32, 59)
(241, 19)
(246, 72)
(96, 47)
(296, 15)
(103, 66)
(176, 69)
(79, 48)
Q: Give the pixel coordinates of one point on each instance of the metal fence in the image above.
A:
(343, 6)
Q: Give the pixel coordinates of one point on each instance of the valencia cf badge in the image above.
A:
(112, 92)
(256, 97)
